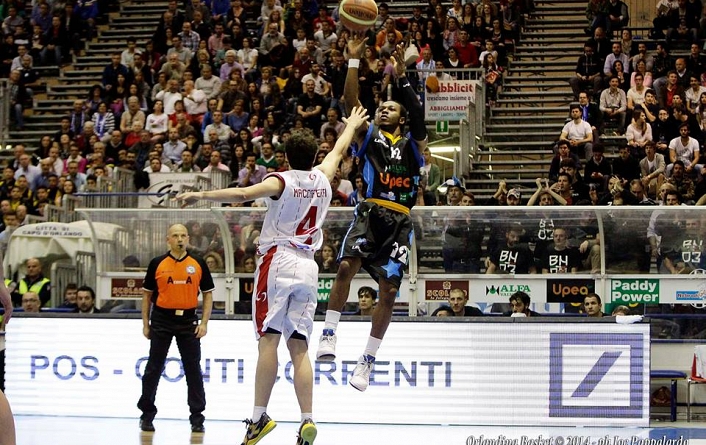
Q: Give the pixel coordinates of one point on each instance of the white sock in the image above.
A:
(257, 412)
(306, 416)
(372, 347)
(332, 319)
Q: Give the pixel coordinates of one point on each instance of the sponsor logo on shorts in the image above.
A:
(358, 243)
(262, 296)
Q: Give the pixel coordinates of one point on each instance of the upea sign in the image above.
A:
(634, 291)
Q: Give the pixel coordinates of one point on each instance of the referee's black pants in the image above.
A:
(163, 327)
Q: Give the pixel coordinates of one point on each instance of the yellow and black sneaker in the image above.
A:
(307, 433)
(257, 430)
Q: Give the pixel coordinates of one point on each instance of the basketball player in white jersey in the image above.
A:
(7, 424)
(297, 203)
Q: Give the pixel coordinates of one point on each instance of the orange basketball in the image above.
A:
(358, 15)
(432, 84)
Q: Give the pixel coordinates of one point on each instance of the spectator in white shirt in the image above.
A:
(194, 102)
(247, 56)
(579, 133)
(321, 86)
(170, 96)
(127, 58)
(299, 41)
(427, 63)
(325, 38)
(157, 122)
(686, 149)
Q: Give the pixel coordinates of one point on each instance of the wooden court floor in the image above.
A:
(45, 430)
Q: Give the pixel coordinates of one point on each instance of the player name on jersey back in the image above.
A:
(310, 193)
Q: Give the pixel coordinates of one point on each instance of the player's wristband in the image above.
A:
(354, 63)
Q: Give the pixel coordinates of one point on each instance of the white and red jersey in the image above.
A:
(295, 218)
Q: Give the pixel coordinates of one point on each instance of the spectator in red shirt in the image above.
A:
(466, 51)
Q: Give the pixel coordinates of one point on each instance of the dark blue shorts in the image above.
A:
(381, 237)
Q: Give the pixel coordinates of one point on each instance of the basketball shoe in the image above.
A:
(257, 430)
(307, 433)
(361, 373)
(327, 346)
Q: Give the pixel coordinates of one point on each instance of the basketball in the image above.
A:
(358, 15)
(432, 84)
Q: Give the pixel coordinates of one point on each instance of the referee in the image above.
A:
(171, 290)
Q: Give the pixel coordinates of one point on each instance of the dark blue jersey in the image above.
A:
(391, 167)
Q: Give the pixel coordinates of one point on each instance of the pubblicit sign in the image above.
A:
(628, 291)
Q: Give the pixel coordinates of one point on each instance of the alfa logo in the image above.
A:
(506, 289)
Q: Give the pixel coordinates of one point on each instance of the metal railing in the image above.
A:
(456, 73)
(81, 270)
(125, 182)
(86, 270)
(120, 192)
(62, 274)
(65, 212)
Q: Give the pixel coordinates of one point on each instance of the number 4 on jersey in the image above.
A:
(307, 226)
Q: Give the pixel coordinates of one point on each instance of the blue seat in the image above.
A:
(674, 376)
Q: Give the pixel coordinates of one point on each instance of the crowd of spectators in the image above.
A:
(42, 33)
(633, 95)
(221, 86)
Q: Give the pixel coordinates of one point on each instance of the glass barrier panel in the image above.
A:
(639, 257)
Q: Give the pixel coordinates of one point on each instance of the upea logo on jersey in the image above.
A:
(608, 383)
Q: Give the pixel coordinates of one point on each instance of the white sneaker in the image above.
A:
(361, 373)
(327, 347)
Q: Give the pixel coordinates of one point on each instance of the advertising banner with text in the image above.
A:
(512, 373)
(449, 101)
(499, 291)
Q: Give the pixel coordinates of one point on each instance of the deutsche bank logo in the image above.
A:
(596, 375)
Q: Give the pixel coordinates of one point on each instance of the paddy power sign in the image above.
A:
(628, 291)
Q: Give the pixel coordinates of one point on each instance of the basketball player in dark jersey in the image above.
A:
(380, 234)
